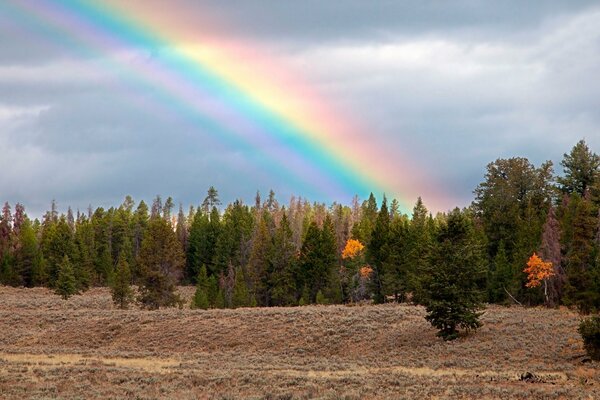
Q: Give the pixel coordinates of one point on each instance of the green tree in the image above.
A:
(501, 277)
(203, 237)
(396, 269)
(418, 247)
(65, 284)
(240, 296)
(581, 288)
(201, 296)
(377, 251)
(258, 271)
(27, 255)
(454, 278)
(161, 260)
(581, 170)
(211, 200)
(283, 262)
(122, 295)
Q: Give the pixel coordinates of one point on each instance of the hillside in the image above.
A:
(83, 348)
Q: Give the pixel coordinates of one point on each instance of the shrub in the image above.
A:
(589, 329)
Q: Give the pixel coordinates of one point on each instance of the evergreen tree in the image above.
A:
(501, 277)
(314, 273)
(65, 285)
(213, 292)
(201, 296)
(122, 294)
(377, 251)
(161, 261)
(328, 254)
(27, 256)
(581, 288)
(396, 271)
(240, 296)
(418, 248)
(452, 288)
(282, 259)
(581, 170)
(363, 228)
(258, 271)
(233, 244)
(202, 243)
(211, 200)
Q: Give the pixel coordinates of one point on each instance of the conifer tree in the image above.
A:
(27, 256)
(581, 288)
(65, 285)
(282, 259)
(581, 170)
(161, 261)
(201, 296)
(240, 296)
(122, 294)
(452, 288)
(377, 251)
(396, 271)
(258, 273)
(501, 279)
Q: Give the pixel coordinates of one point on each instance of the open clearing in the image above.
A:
(83, 348)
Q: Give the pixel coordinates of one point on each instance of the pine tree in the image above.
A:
(377, 251)
(211, 200)
(201, 296)
(418, 248)
(258, 264)
(581, 289)
(65, 285)
(396, 271)
(122, 294)
(282, 258)
(161, 261)
(452, 286)
(501, 279)
(212, 292)
(581, 170)
(240, 296)
(27, 256)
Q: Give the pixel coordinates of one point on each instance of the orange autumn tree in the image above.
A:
(352, 249)
(354, 273)
(538, 271)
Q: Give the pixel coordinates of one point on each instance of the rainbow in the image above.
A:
(235, 91)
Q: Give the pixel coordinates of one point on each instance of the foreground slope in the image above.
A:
(83, 348)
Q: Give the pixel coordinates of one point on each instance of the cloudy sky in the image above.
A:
(453, 84)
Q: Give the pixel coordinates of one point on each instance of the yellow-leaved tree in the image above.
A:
(538, 271)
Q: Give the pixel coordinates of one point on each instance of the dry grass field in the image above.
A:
(84, 348)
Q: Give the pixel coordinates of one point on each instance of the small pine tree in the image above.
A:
(122, 294)
(220, 299)
(200, 299)
(321, 299)
(305, 298)
(240, 297)
(66, 286)
(212, 291)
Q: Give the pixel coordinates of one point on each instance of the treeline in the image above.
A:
(268, 254)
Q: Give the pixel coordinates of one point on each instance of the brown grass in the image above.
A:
(83, 348)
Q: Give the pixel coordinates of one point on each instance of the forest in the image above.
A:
(270, 254)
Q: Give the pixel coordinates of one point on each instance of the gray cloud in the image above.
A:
(457, 85)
